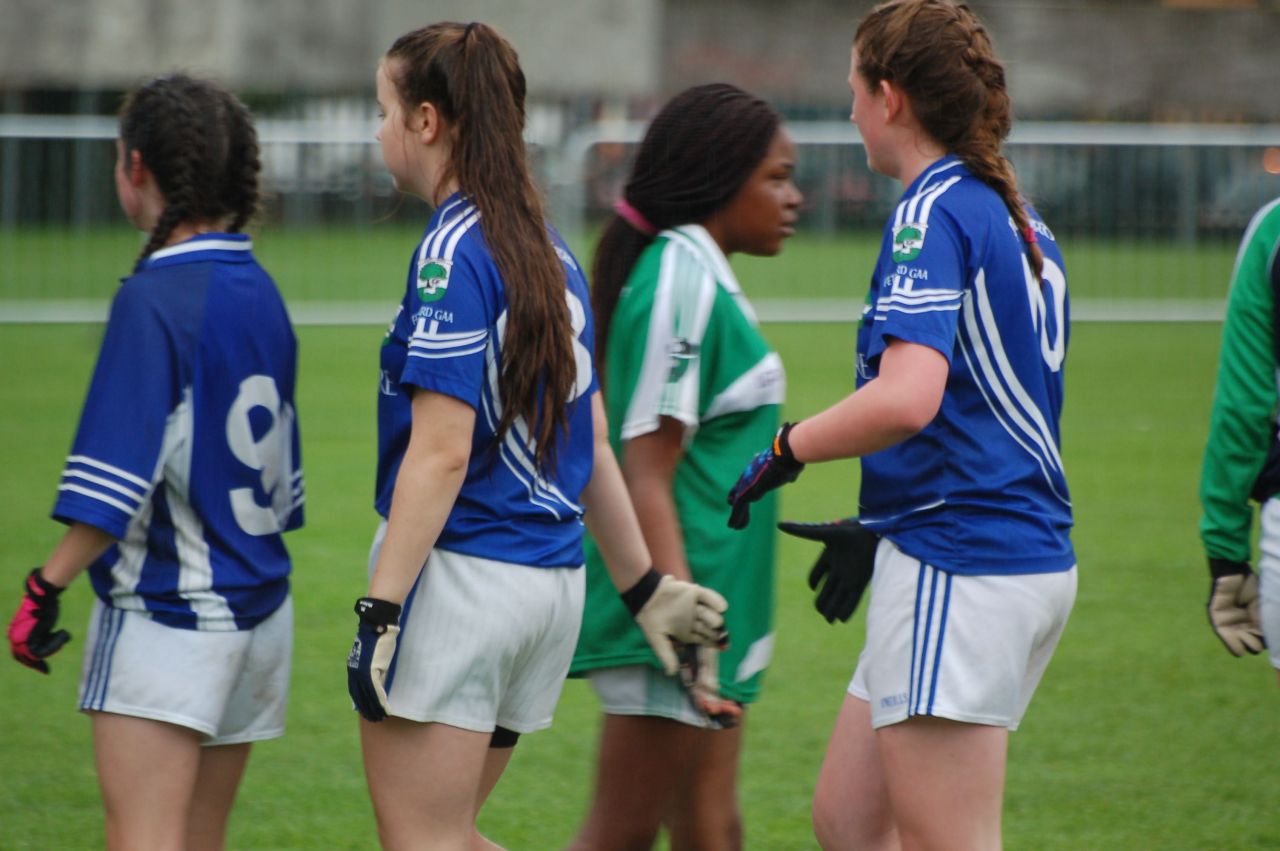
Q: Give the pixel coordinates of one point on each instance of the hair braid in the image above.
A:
(940, 54)
(199, 144)
(243, 165)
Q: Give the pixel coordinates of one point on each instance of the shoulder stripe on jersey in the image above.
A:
(984, 353)
(682, 301)
(450, 229)
(916, 209)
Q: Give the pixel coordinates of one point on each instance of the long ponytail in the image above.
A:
(473, 77)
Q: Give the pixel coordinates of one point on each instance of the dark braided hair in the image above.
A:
(199, 143)
(697, 153)
(472, 75)
(941, 56)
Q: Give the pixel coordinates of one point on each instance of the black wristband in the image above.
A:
(46, 587)
(1220, 567)
(637, 595)
(782, 446)
(377, 613)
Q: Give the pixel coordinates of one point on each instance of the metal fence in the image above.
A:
(1149, 215)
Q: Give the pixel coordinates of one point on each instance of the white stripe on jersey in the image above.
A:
(432, 242)
(682, 302)
(514, 449)
(202, 245)
(983, 350)
(101, 497)
(916, 209)
(430, 343)
(115, 471)
(751, 390)
(195, 571)
(106, 483)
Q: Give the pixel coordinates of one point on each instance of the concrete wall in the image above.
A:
(1067, 58)
(566, 46)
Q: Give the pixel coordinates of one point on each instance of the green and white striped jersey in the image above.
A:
(685, 344)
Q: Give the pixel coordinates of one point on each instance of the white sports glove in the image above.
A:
(1234, 609)
(668, 609)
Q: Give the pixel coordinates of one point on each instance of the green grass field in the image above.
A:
(362, 265)
(1145, 733)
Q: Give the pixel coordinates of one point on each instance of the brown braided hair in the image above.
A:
(472, 76)
(199, 143)
(941, 56)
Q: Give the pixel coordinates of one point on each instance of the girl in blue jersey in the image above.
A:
(493, 449)
(184, 473)
(955, 417)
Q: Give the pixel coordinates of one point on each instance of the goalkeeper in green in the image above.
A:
(1242, 457)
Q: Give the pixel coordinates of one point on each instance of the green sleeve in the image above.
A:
(1242, 420)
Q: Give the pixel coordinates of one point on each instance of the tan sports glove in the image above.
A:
(668, 609)
(1234, 609)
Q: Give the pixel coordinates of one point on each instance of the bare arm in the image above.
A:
(896, 404)
(430, 477)
(610, 516)
(649, 468)
(79, 547)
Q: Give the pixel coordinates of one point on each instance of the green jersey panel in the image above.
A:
(685, 344)
(1242, 421)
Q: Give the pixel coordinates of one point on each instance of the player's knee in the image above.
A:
(838, 825)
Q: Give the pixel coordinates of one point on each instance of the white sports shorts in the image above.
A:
(644, 690)
(968, 648)
(1269, 577)
(484, 643)
(231, 687)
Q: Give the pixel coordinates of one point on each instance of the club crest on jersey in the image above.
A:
(908, 240)
(433, 278)
(682, 353)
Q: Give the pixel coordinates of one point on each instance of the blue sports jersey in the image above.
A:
(187, 450)
(447, 338)
(981, 489)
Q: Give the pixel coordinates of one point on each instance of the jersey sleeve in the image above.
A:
(450, 325)
(136, 385)
(669, 381)
(919, 293)
(1242, 419)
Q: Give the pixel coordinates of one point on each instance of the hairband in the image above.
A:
(1029, 235)
(634, 217)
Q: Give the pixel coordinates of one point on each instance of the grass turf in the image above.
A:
(1144, 733)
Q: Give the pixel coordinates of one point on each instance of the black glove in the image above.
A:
(771, 468)
(1234, 609)
(32, 636)
(371, 655)
(846, 564)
